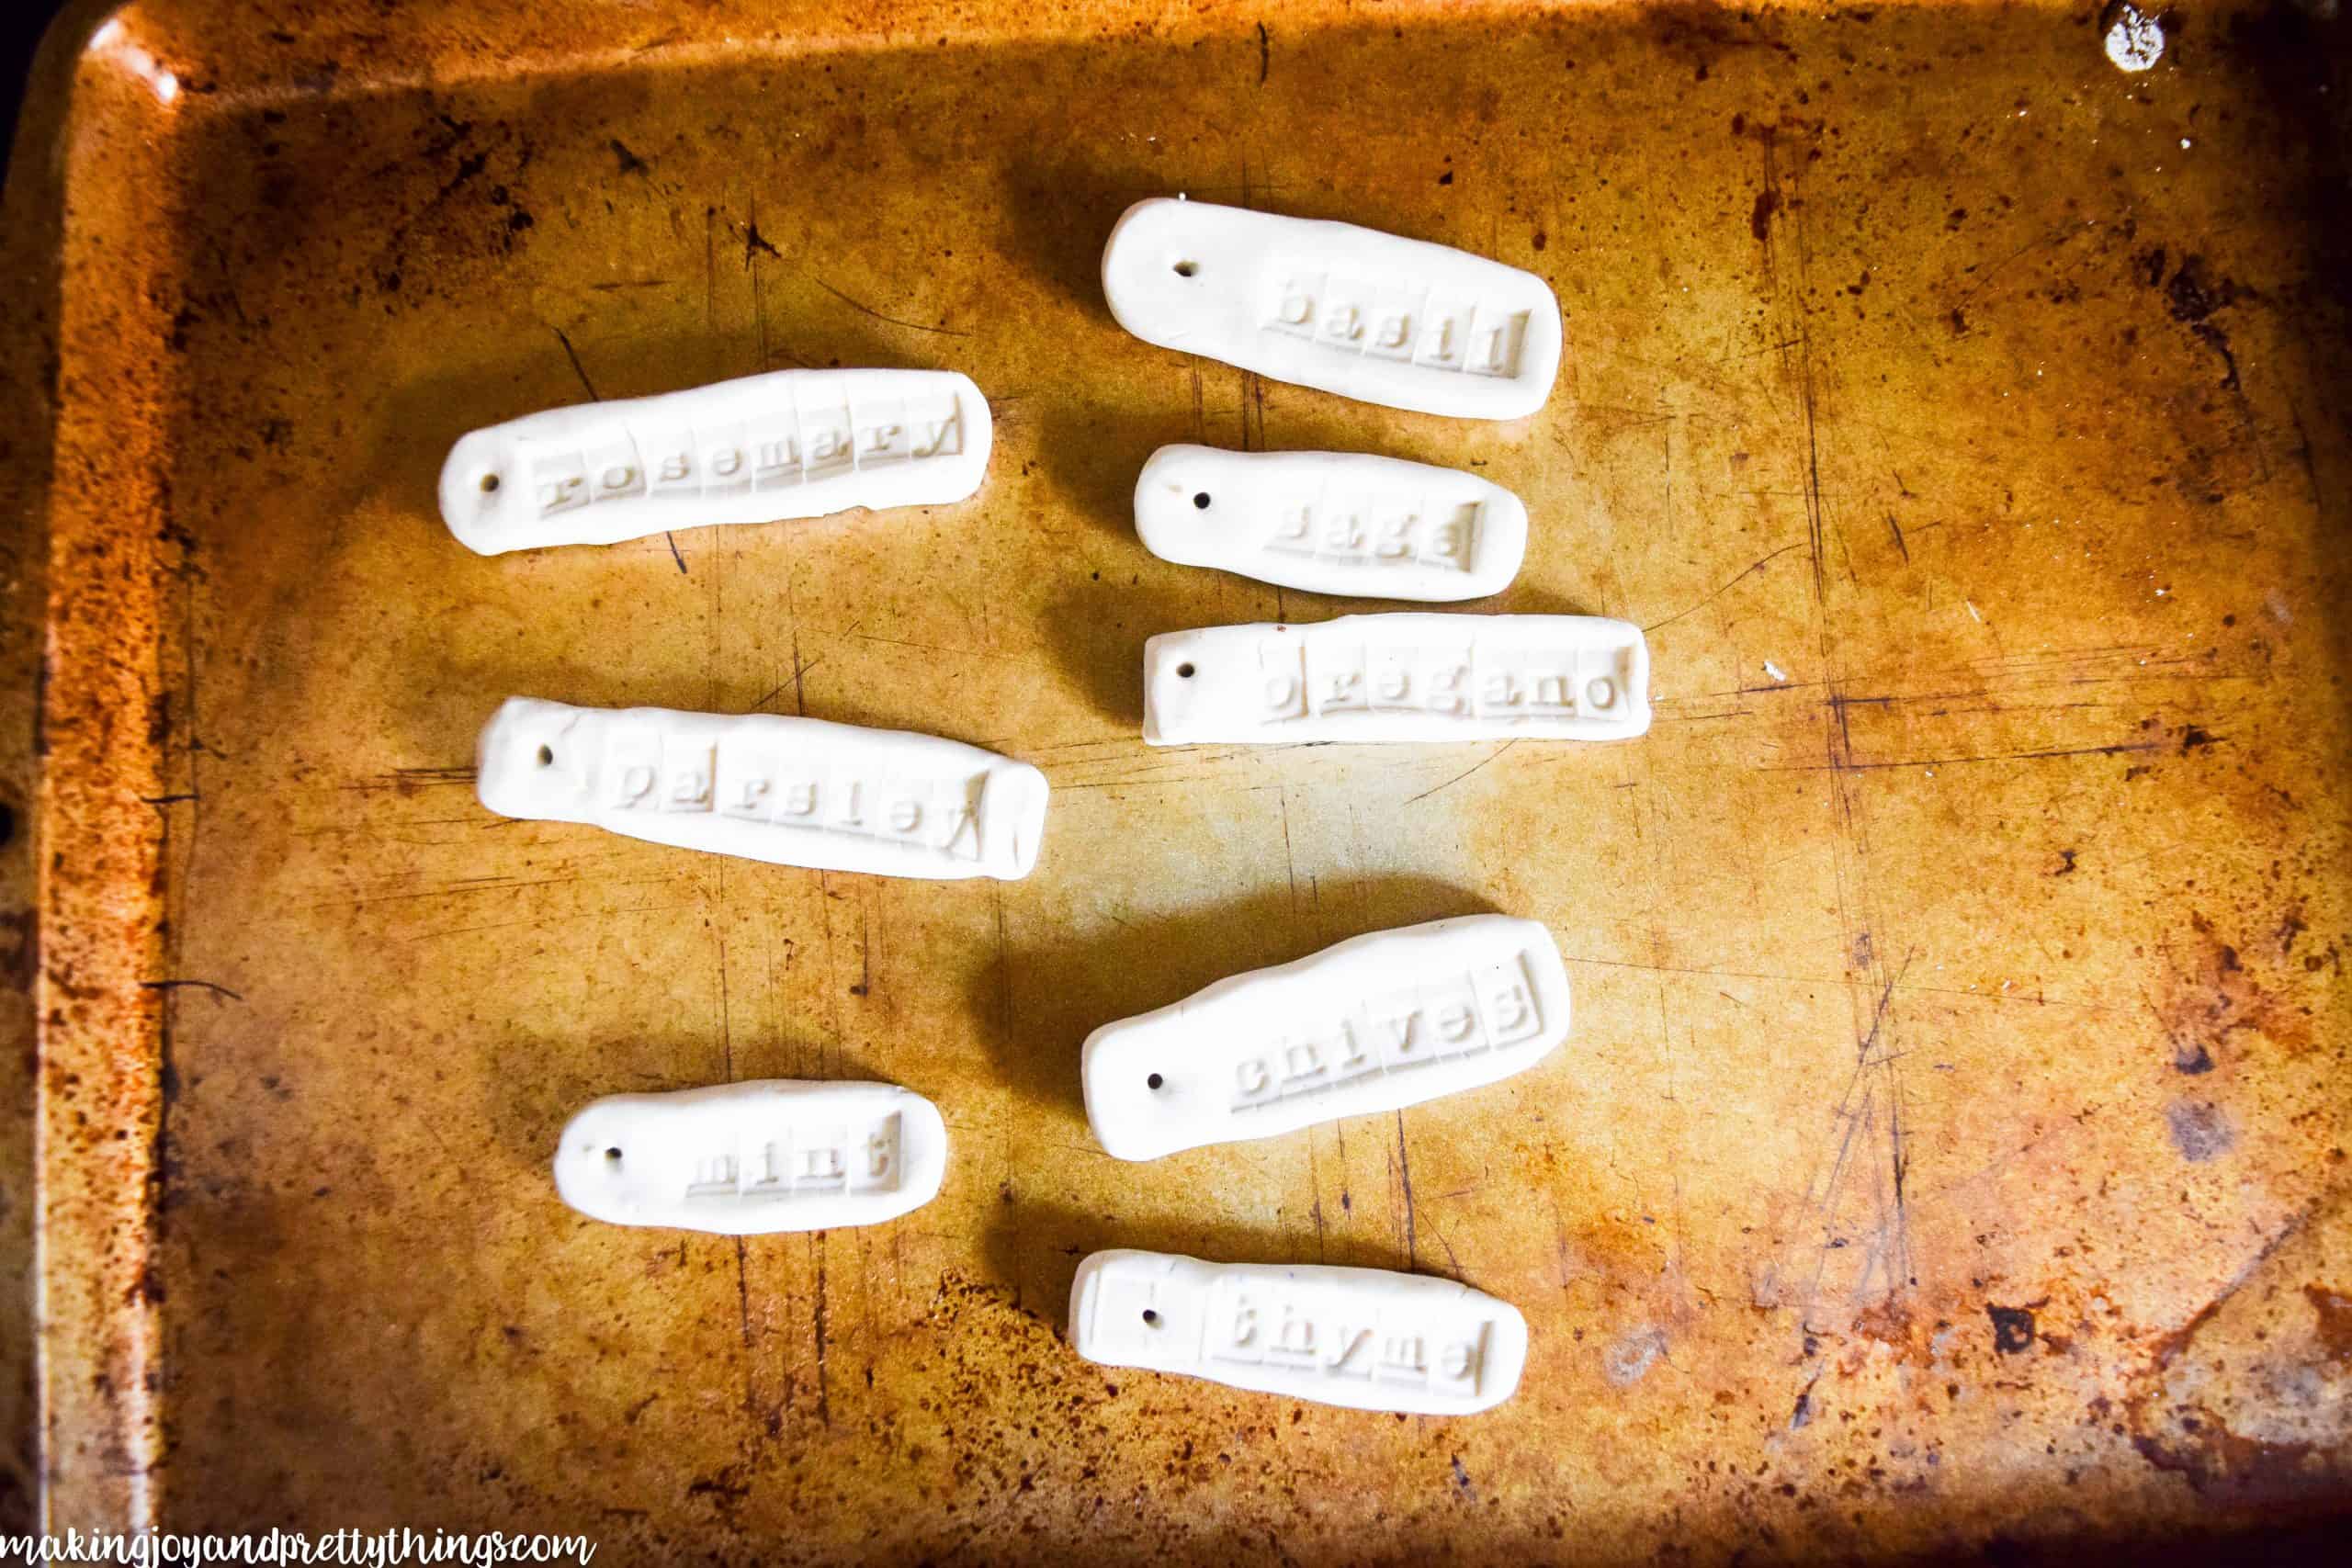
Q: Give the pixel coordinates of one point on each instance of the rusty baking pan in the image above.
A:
(1948, 1157)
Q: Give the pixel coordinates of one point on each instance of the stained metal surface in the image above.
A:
(1950, 1152)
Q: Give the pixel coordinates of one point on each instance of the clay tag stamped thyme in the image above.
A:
(1375, 1023)
(1365, 1338)
(1350, 311)
(750, 1158)
(790, 444)
(1332, 522)
(801, 792)
(1406, 676)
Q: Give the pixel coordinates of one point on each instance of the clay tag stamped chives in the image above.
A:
(1350, 311)
(1375, 1023)
(1332, 522)
(1407, 676)
(1365, 1338)
(790, 444)
(798, 792)
(750, 1158)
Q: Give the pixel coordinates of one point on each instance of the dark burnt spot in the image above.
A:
(2214, 338)
(2199, 1130)
(1541, 239)
(2289, 928)
(2335, 1326)
(2199, 737)
(2191, 295)
(147, 1288)
(2066, 862)
(1959, 321)
(2012, 1329)
(2219, 1463)
(1446, 178)
(2211, 994)
(631, 164)
(755, 242)
(1759, 220)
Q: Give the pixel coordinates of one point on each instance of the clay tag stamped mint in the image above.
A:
(750, 1158)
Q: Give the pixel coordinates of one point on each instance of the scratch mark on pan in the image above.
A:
(218, 990)
(751, 264)
(710, 272)
(1751, 569)
(2170, 1347)
(743, 1317)
(821, 1328)
(1465, 772)
(1853, 767)
(1314, 1184)
(1404, 1177)
(725, 1028)
(859, 305)
(1290, 864)
(577, 368)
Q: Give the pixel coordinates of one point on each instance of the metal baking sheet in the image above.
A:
(1950, 1153)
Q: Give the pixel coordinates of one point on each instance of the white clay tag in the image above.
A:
(1406, 676)
(790, 444)
(1332, 522)
(1375, 1023)
(1365, 1338)
(792, 791)
(749, 1159)
(1350, 311)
